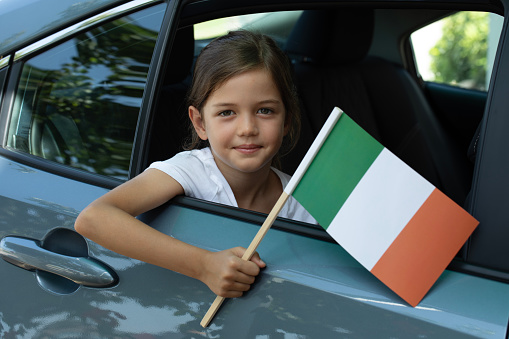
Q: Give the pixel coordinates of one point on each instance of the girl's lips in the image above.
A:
(247, 149)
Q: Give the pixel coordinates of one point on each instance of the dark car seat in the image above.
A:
(329, 53)
(170, 124)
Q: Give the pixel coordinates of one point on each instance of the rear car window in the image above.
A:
(277, 25)
(458, 50)
(77, 104)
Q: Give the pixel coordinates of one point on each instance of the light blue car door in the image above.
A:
(311, 288)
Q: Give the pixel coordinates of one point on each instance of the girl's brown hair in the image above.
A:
(233, 54)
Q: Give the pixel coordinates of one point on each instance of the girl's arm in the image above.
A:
(110, 221)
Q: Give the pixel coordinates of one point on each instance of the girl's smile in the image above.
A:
(247, 149)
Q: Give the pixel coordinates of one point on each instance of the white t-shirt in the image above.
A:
(197, 173)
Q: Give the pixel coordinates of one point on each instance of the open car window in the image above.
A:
(276, 24)
(458, 50)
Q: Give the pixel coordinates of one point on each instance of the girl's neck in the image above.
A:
(256, 191)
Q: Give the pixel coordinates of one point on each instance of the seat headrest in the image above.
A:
(181, 56)
(331, 37)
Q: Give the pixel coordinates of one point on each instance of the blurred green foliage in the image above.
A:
(460, 56)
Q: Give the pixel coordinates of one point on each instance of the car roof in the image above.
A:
(26, 21)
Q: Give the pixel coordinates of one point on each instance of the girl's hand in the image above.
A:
(227, 274)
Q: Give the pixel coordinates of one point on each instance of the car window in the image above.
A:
(458, 50)
(278, 25)
(77, 104)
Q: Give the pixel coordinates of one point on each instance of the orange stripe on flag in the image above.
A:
(424, 248)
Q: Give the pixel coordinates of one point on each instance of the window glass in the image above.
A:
(77, 104)
(458, 50)
(278, 25)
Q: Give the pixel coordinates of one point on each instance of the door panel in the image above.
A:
(310, 288)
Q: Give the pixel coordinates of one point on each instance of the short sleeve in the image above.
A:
(198, 175)
(190, 172)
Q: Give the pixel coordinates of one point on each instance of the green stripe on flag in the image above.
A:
(339, 165)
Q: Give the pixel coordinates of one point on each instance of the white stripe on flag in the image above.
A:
(379, 207)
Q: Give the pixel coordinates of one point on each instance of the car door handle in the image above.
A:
(27, 254)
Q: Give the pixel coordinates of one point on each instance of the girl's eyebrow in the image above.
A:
(270, 101)
(266, 101)
(223, 104)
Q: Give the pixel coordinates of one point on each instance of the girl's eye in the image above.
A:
(226, 113)
(265, 111)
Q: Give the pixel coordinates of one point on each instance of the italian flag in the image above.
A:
(389, 218)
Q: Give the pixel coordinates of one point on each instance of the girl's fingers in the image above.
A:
(229, 275)
(239, 251)
(256, 259)
(248, 268)
(243, 278)
(235, 290)
(240, 287)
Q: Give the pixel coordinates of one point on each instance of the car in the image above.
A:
(92, 92)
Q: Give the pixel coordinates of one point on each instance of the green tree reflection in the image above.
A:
(85, 96)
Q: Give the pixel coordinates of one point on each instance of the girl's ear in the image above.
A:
(198, 122)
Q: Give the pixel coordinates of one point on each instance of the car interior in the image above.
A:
(331, 51)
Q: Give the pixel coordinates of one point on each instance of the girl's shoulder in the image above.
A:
(187, 166)
(187, 158)
(196, 172)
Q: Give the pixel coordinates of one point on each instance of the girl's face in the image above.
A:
(244, 121)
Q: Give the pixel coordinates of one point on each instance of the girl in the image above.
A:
(242, 104)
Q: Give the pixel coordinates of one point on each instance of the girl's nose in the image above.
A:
(247, 125)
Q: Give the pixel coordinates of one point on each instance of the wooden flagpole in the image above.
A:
(288, 190)
(249, 253)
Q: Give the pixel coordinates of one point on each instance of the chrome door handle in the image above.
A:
(27, 254)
